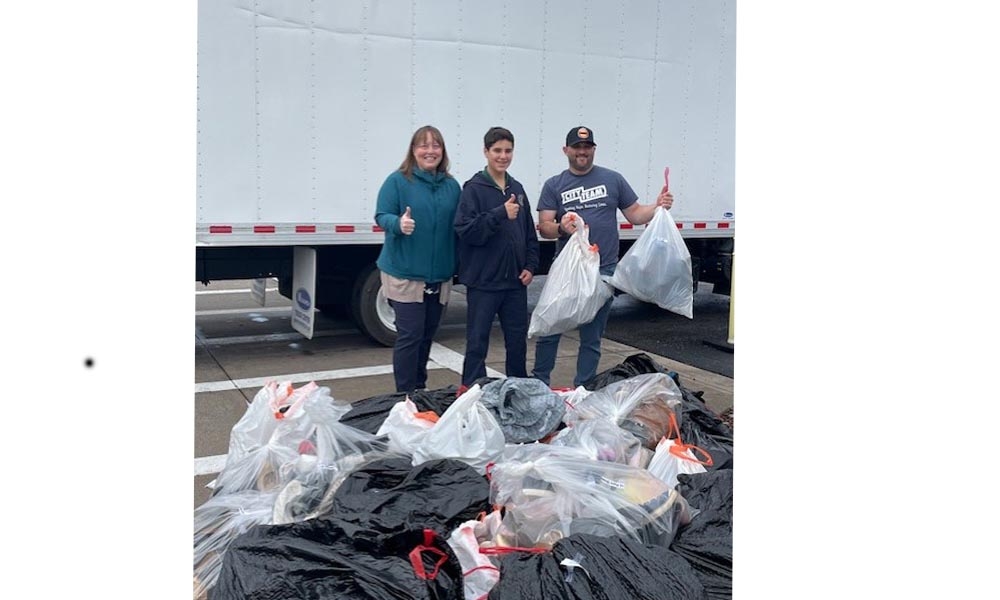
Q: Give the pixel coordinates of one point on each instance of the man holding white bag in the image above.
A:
(595, 193)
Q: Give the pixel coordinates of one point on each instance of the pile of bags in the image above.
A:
(621, 488)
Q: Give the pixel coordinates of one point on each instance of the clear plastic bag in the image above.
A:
(258, 462)
(255, 427)
(642, 405)
(218, 522)
(599, 439)
(330, 452)
(467, 431)
(572, 397)
(657, 267)
(550, 492)
(574, 290)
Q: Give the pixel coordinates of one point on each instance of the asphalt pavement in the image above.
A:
(701, 341)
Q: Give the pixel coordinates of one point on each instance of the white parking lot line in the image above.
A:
(206, 465)
(238, 311)
(246, 291)
(453, 360)
(251, 382)
(271, 337)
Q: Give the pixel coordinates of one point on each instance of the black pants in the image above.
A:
(512, 306)
(416, 324)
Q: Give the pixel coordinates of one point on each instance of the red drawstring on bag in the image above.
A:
(417, 560)
(479, 568)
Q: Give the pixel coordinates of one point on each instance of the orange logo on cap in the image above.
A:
(582, 132)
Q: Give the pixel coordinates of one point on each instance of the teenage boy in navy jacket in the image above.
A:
(497, 258)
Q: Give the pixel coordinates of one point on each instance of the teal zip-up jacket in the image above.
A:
(428, 254)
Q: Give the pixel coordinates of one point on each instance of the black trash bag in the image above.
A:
(317, 559)
(611, 568)
(703, 428)
(390, 496)
(707, 541)
(369, 414)
(637, 364)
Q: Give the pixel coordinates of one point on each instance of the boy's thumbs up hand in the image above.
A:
(512, 207)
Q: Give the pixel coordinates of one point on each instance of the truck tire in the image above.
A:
(370, 308)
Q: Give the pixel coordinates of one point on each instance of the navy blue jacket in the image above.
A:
(492, 249)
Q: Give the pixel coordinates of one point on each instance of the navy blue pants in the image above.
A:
(589, 355)
(512, 306)
(416, 324)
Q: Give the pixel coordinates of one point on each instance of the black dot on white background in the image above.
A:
(88, 362)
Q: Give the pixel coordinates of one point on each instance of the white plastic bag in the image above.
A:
(657, 268)
(671, 459)
(405, 427)
(574, 290)
(479, 574)
(467, 431)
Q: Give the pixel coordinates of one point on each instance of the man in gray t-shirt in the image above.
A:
(597, 194)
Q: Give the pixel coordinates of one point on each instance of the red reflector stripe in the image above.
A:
(220, 229)
(343, 228)
(700, 225)
(305, 229)
(377, 229)
(625, 225)
(263, 228)
(723, 225)
(680, 225)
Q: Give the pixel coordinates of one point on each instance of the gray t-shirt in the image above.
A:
(597, 197)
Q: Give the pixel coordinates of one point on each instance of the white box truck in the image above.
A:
(305, 107)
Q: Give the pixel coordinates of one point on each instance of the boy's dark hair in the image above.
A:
(495, 134)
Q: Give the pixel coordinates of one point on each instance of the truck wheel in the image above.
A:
(370, 308)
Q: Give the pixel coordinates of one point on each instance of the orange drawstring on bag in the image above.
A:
(491, 550)
(679, 449)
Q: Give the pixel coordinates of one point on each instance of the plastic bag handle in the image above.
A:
(417, 561)
(680, 447)
(474, 569)
(679, 450)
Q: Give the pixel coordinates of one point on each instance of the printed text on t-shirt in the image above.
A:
(582, 194)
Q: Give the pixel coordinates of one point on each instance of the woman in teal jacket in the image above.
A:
(416, 209)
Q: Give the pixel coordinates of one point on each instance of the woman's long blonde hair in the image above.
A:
(418, 136)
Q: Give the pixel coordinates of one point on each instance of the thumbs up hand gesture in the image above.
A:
(512, 207)
(406, 223)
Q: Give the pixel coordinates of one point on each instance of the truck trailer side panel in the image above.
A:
(305, 108)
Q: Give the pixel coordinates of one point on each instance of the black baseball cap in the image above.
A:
(579, 135)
